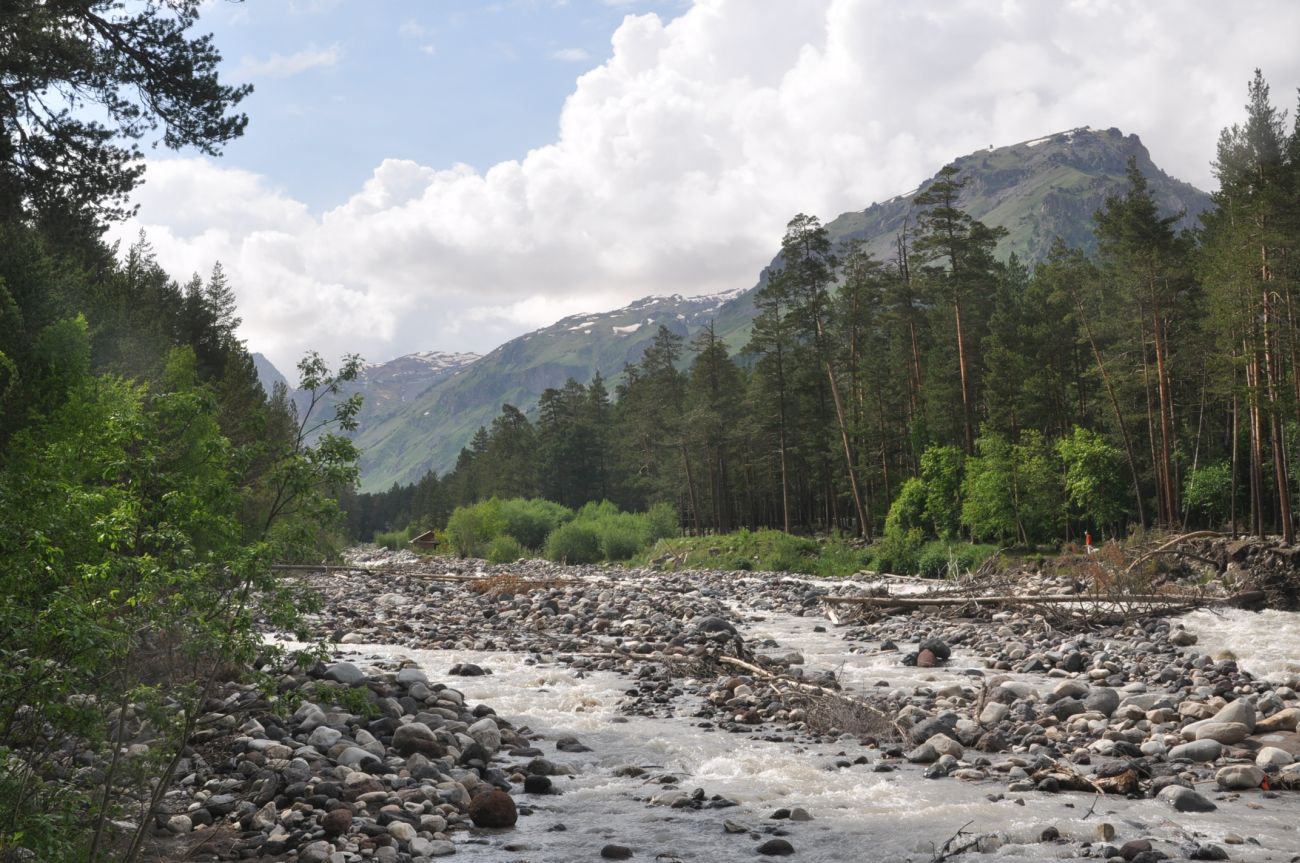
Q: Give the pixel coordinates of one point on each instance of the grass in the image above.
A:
(761, 550)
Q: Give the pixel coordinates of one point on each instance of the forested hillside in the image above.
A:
(1036, 191)
(1147, 376)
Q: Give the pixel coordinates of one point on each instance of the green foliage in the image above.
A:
(504, 549)
(941, 472)
(941, 559)
(898, 551)
(394, 540)
(1094, 477)
(574, 543)
(1012, 491)
(530, 521)
(471, 528)
(535, 525)
(907, 512)
(989, 509)
(660, 523)
(134, 69)
(760, 550)
(1207, 492)
(127, 570)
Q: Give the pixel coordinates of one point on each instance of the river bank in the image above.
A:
(722, 716)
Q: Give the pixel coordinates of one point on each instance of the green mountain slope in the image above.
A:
(430, 432)
(1037, 190)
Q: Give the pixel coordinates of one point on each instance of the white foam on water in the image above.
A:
(858, 814)
(1265, 643)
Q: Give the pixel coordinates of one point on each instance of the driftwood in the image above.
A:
(1171, 600)
(322, 567)
(1171, 547)
(378, 570)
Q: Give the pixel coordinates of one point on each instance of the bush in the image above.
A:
(471, 528)
(907, 512)
(950, 559)
(619, 540)
(394, 540)
(897, 551)
(661, 523)
(574, 543)
(530, 521)
(504, 549)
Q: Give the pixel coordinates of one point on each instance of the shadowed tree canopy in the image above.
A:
(81, 82)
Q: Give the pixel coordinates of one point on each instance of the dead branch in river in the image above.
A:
(1164, 601)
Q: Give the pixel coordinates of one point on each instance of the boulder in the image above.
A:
(1241, 711)
(417, 737)
(496, 808)
(336, 822)
(1226, 733)
(486, 734)
(1102, 699)
(776, 848)
(345, 673)
(1271, 756)
(1197, 750)
(1238, 777)
(1185, 799)
(1284, 720)
(942, 744)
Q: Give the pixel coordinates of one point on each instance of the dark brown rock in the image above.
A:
(336, 822)
(493, 809)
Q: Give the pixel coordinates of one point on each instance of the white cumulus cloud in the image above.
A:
(680, 159)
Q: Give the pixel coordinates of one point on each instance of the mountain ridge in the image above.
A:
(1037, 189)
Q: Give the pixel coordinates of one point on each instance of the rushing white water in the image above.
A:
(858, 814)
(1265, 643)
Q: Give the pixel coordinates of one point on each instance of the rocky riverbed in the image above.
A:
(533, 712)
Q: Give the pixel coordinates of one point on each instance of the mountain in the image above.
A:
(1037, 190)
(431, 431)
(267, 374)
(385, 387)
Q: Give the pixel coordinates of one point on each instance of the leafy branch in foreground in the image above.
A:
(137, 543)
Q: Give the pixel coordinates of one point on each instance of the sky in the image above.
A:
(446, 175)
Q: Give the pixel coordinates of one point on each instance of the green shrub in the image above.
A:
(504, 549)
(619, 540)
(573, 543)
(949, 559)
(530, 521)
(394, 540)
(837, 558)
(471, 528)
(897, 551)
(907, 512)
(661, 522)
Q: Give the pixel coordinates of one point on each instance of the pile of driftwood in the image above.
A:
(1107, 588)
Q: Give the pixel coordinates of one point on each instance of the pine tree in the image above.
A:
(958, 252)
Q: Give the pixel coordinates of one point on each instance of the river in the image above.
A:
(857, 814)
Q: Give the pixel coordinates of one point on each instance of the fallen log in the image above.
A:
(414, 573)
(325, 567)
(1247, 598)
